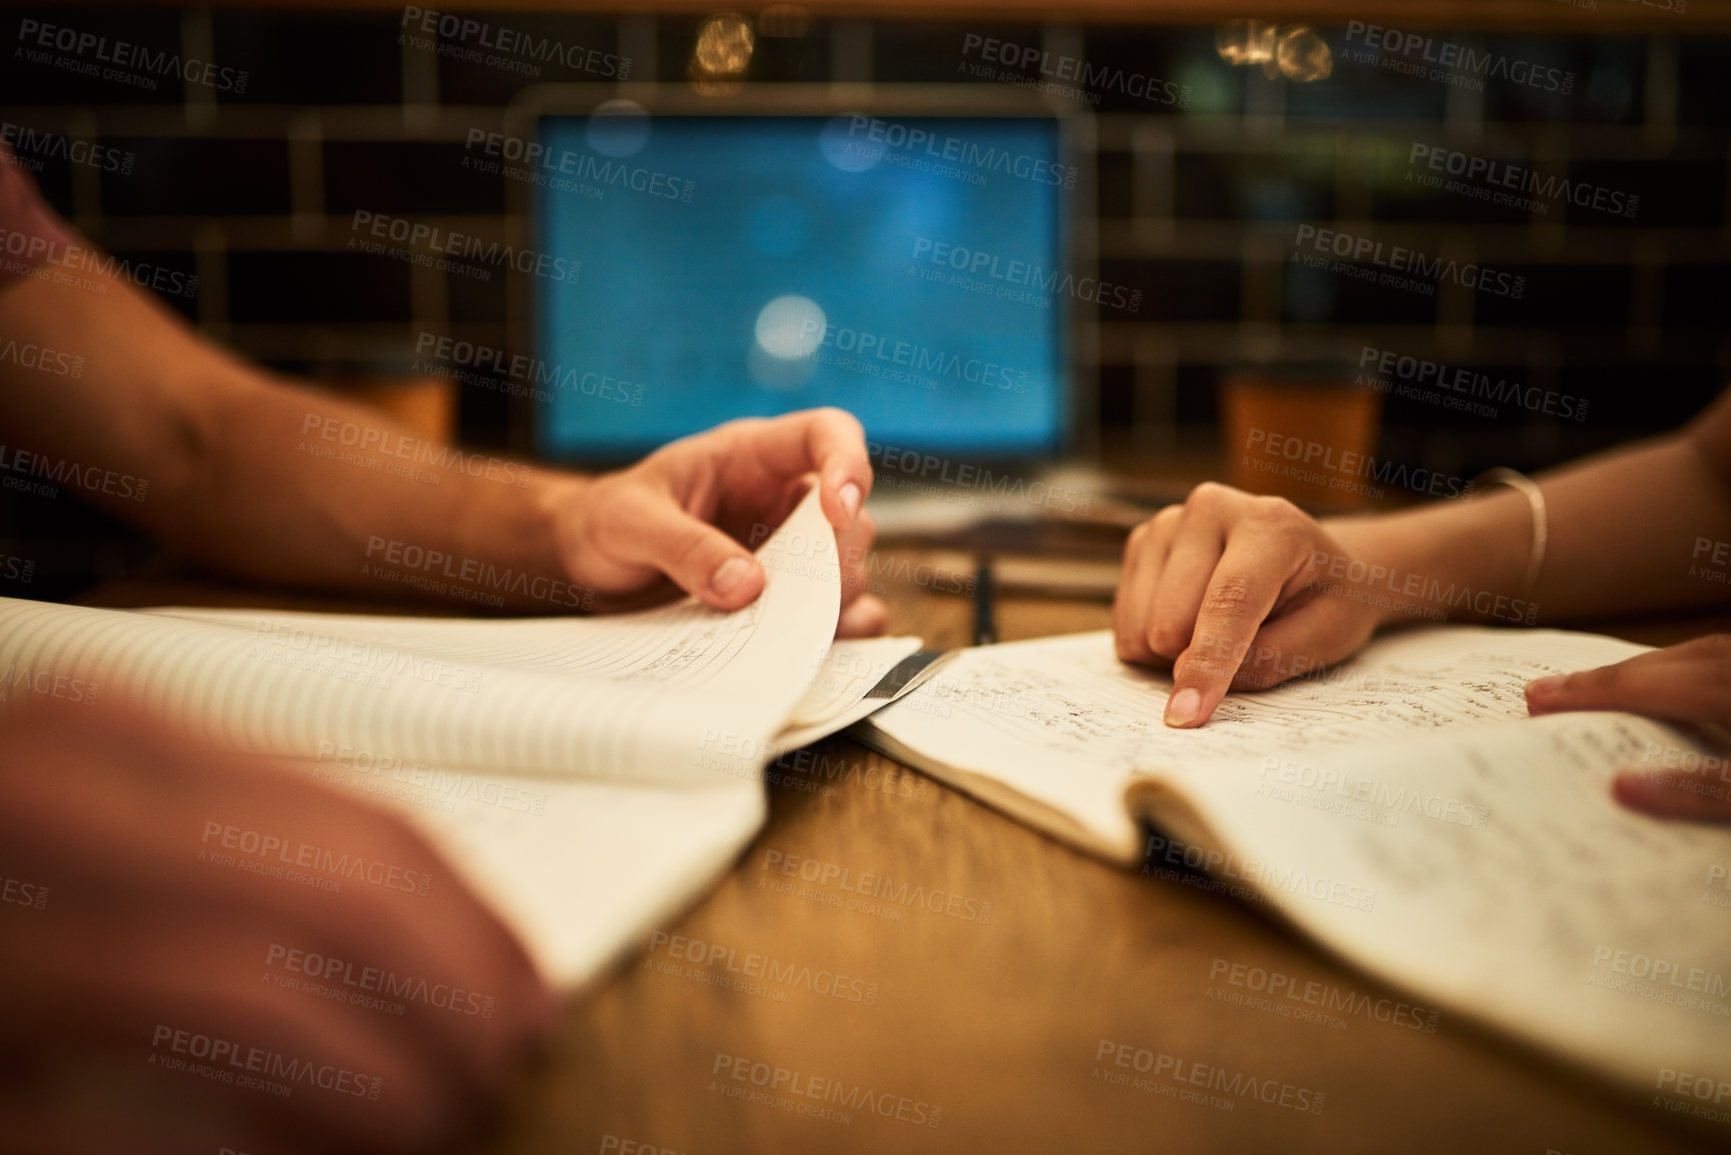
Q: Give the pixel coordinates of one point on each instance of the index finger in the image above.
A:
(1682, 683)
(828, 442)
(1245, 587)
(1671, 796)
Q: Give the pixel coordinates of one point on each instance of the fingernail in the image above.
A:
(1183, 707)
(1545, 687)
(850, 499)
(727, 575)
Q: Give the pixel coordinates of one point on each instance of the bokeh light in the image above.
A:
(847, 149)
(722, 55)
(618, 128)
(791, 327)
(1304, 56)
(1245, 41)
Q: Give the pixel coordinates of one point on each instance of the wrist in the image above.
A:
(1376, 585)
(1449, 561)
(557, 507)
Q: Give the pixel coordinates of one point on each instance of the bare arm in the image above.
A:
(1626, 527)
(1233, 590)
(220, 443)
(227, 450)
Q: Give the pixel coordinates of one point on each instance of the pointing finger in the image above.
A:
(1252, 573)
(1686, 683)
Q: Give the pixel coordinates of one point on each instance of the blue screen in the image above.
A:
(907, 270)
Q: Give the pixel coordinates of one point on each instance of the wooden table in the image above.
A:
(1000, 1022)
(1004, 1021)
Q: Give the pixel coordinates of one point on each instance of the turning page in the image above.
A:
(518, 747)
(584, 870)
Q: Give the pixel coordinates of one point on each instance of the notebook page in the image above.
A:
(1505, 882)
(581, 870)
(645, 696)
(683, 646)
(850, 668)
(1063, 722)
(837, 698)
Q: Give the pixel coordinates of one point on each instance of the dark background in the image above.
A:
(1195, 207)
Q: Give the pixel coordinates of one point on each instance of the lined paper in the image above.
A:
(1065, 723)
(1512, 907)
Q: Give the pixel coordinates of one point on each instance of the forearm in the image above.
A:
(252, 476)
(315, 490)
(1625, 529)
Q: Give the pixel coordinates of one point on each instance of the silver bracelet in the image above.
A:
(1529, 489)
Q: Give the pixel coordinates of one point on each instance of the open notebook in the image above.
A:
(1401, 809)
(588, 776)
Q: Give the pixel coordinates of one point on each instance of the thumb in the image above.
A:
(701, 560)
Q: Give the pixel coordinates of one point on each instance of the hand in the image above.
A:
(1689, 684)
(685, 510)
(131, 915)
(1223, 590)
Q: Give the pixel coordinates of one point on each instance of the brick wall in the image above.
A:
(1204, 206)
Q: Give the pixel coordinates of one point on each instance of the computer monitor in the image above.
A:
(911, 269)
